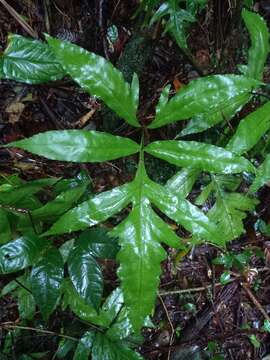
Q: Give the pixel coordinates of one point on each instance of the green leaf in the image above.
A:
(29, 61)
(19, 194)
(20, 253)
(111, 307)
(78, 145)
(104, 348)
(46, 278)
(99, 243)
(62, 203)
(98, 77)
(85, 274)
(140, 260)
(199, 155)
(182, 182)
(183, 212)
(254, 341)
(228, 213)
(5, 231)
(83, 349)
(93, 211)
(66, 248)
(204, 96)
(224, 112)
(64, 347)
(250, 130)
(26, 304)
(121, 328)
(178, 21)
(78, 305)
(225, 277)
(259, 49)
(262, 175)
(266, 326)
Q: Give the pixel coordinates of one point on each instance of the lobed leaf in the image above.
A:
(262, 175)
(98, 77)
(204, 96)
(228, 212)
(259, 49)
(78, 145)
(250, 130)
(46, 278)
(199, 155)
(29, 61)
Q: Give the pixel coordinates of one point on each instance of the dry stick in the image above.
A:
(203, 288)
(20, 20)
(255, 301)
(8, 325)
(171, 325)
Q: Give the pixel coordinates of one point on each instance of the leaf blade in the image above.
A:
(97, 76)
(214, 90)
(29, 61)
(199, 155)
(77, 145)
(46, 278)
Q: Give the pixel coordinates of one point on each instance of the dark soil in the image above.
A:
(211, 316)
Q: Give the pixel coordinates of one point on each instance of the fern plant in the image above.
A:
(207, 102)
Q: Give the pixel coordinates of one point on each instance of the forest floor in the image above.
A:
(195, 313)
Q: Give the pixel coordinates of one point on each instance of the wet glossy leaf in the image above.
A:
(99, 243)
(85, 274)
(62, 203)
(104, 348)
(140, 277)
(29, 61)
(20, 253)
(111, 307)
(98, 77)
(203, 96)
(66, 248)
(199, 155)
(182, 182)
(183, 212)
(78, 305)
(121, 328)
(84, 346)
(46, 278)
(262, 175)
(93, 211)
(78, 145)
(224, 112)
(5, 231)
(250, 130)
(259, 49)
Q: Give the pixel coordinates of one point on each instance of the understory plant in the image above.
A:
(29, 227)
